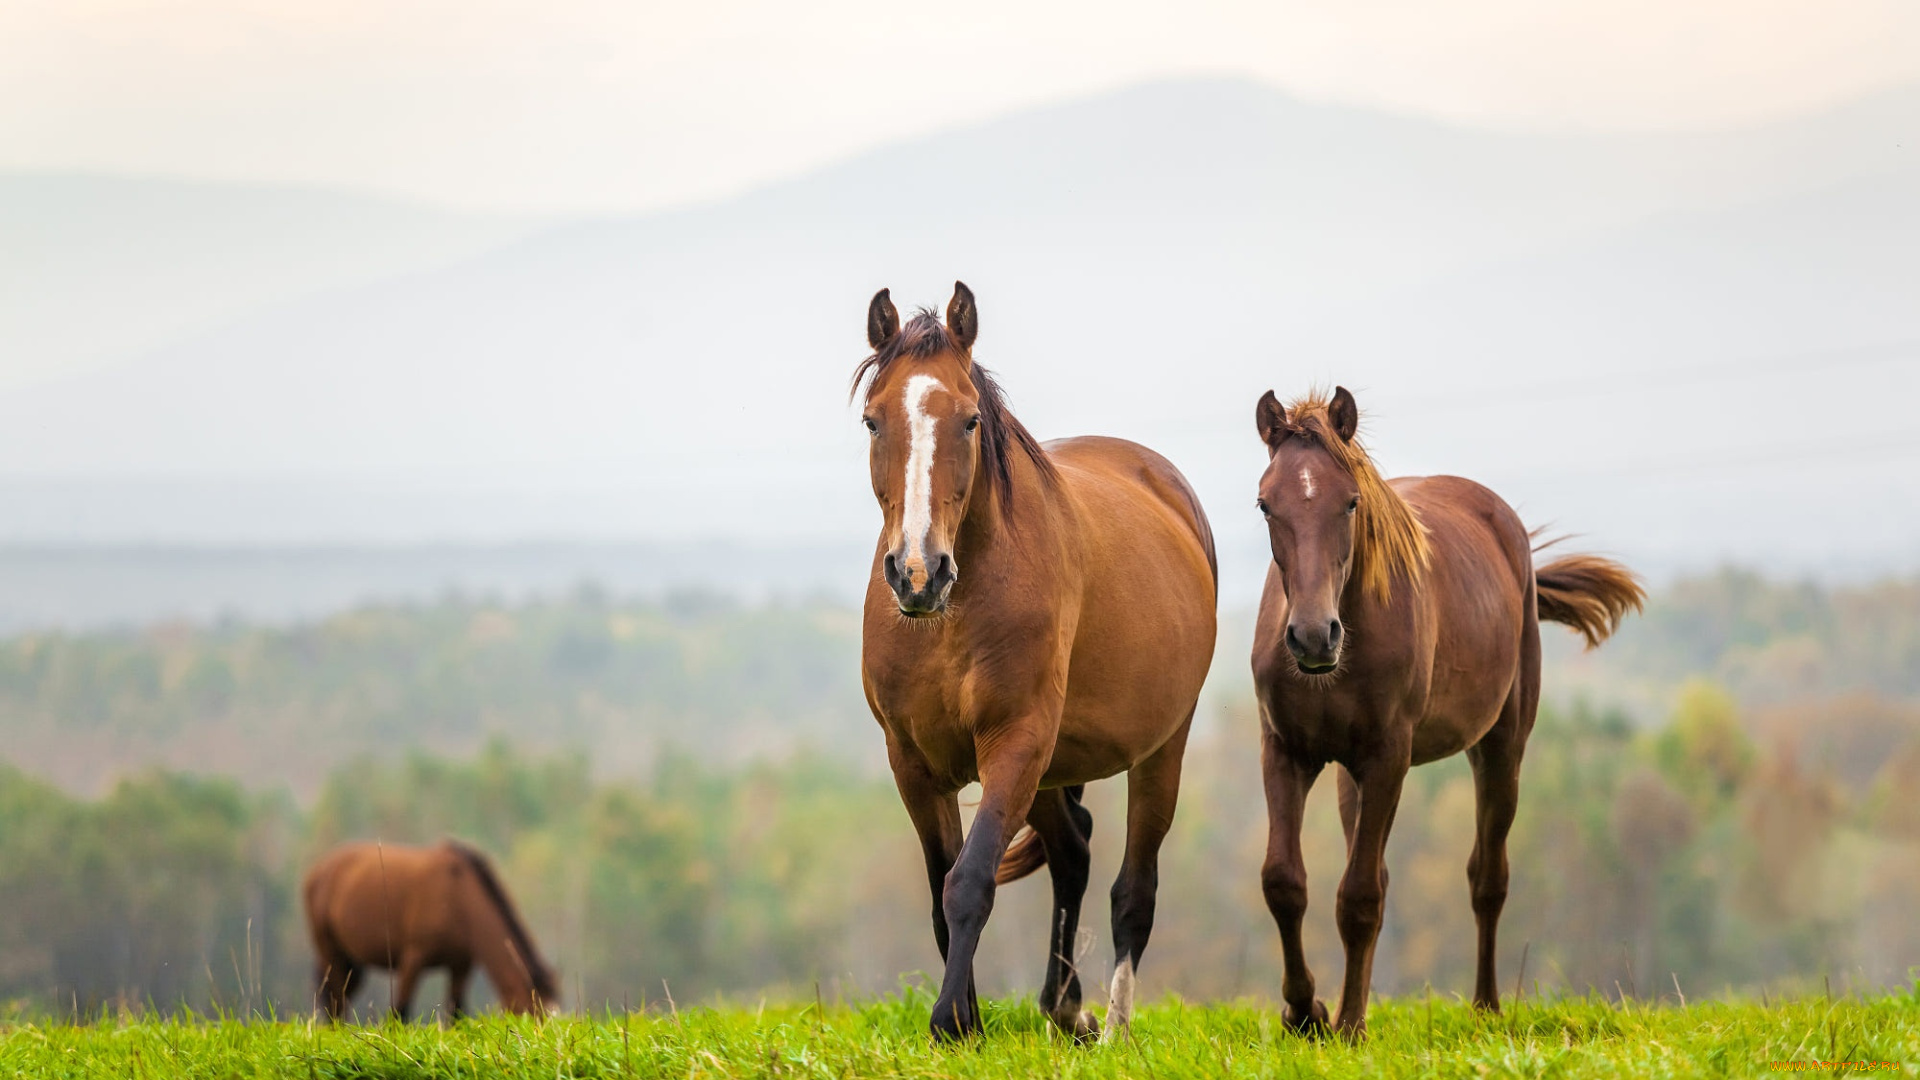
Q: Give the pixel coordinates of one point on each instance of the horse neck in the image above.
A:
(1360, 606)
(494, 933)
(1027, 523)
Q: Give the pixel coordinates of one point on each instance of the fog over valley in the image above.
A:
(1689, 348)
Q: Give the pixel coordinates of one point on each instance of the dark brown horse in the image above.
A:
(407, 909)
(1400, 624)
(1038, 617)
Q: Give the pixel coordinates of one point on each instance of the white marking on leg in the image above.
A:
(1119, 1002)
(1306, 482)
(917, 521)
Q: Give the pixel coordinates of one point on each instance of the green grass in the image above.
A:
(1410, 1037)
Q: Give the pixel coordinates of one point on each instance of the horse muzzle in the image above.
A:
(921, 586)
(1316, 648)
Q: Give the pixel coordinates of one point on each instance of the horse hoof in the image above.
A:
(951, 1028)
(1085, 1028)
(1353, 1034)
(1316, 1022)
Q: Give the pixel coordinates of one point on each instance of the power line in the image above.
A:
(1635, 382)
(1772, 457)
(1714, 371)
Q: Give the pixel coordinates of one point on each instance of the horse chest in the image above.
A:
(1331, 725)
(926, 707)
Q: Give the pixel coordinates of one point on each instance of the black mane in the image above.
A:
(537, 970)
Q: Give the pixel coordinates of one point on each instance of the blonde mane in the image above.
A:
(1389, 537)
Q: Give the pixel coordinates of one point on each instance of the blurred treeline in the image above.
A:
(1768, 642)
(694, 673)
(174, 890)
(684, 796)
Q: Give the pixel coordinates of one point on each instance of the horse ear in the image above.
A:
(963, 320)
(1270, 419)
(882, 320)
(1344, 414)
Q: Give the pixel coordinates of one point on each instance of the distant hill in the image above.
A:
(1773, 644)
(1658, 388)
(631, 680)
(1147, 262)
(93, 589)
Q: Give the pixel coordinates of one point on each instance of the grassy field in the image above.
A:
(1568, 1038)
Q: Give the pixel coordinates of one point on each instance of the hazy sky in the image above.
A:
(572, 105)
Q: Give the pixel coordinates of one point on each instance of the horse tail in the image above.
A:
(1588, 593)
(537, 970)
(1027, 854)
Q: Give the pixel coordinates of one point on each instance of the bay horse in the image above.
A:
(1037, 617)
(1399, 624)
(407, 909)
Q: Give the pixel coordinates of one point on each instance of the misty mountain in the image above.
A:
(1147, 262)
(96, 267)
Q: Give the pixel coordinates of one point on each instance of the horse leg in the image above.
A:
(410, 968)
(323, 987)
(1361, 902)
(1283, 878)
(936, 819)
(1012, 759)
(457, 975)
(1350, 812)
(346, 986)
(1153, 789)
(1496, 790)
(334, 975)
(1064, 827)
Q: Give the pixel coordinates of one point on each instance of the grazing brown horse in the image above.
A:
(1037, 617)
(407, 909)
(1400, 624)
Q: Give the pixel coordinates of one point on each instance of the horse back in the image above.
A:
(374, 901)
(1149, 581)
(1107, 471)
(1470, 526)
(1478, 604)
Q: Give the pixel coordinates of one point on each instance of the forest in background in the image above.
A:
(686, 793)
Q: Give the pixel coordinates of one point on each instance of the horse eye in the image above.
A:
(1261, 505)
(972, 425)
(872, 428)
(1354, 505)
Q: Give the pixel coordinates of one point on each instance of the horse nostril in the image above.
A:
(1333, 632)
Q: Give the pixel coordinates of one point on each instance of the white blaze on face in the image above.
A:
(916, 520)
(1306, 482)
(1119, 1002)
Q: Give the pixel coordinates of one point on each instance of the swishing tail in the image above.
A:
(1588, 593)
(1027, 854)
